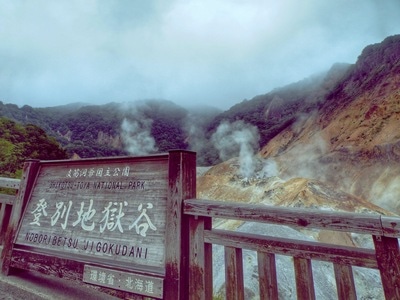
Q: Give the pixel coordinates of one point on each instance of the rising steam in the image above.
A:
(136, 135)
(238, 139)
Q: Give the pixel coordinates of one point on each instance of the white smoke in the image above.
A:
(238, 139)
(136, 135)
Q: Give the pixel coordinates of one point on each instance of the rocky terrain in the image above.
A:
(342, 155)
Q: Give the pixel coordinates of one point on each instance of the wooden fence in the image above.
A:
(385, 257)
(199, 214)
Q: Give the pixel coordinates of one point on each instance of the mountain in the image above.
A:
(340, 127)
(352, 140)
(329, 144)
(114, 129)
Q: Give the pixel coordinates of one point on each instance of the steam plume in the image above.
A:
(137, 137)
(238, 139)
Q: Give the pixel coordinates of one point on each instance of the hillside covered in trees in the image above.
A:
(114, 129)
(20, 142)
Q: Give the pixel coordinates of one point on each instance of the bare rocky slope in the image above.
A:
(350, 141)
(343, 154)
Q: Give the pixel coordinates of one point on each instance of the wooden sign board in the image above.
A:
(108, 211)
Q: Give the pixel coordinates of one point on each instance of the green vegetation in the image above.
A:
(94, 130)
(20, 142)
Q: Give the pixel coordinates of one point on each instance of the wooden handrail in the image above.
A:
(305, 249)
(373, 224)
(11, 183)
(385, 231)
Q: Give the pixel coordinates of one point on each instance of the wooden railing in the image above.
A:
(385, 257)
(6, 202)
(199, 215)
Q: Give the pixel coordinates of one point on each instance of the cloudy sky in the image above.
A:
(214, 52)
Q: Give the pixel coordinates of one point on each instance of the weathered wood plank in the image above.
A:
(302, 218)
(345, 282)
(11, 183)
(200, 260)
(391, 226)
(388, 257)
(305, 249)
(5, 215)
(267, 276)
(181, 185)
(234, 284)
(208, 262)
(197, 285)
(304, 279)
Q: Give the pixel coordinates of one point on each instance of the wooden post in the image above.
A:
(234, 284)
(345, 286)
(200, 261)
(267, 274)
(30, 170)
(388, 258)
(304, 278)
(181, 186)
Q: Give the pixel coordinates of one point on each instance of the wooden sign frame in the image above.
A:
(99, 220)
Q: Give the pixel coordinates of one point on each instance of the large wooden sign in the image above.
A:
(108, 210)
(114, 222)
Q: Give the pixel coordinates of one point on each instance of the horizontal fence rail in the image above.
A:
(385, 257)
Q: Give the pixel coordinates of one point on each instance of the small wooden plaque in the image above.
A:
(129, 282)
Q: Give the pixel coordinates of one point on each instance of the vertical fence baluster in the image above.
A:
(304, 279)
(345, 282)
(267, 276)
(3, 224)
(200, 260)
(208, 261)
(234, 273)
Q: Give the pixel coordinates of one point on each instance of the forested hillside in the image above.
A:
(136, 128)
(20, 142)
